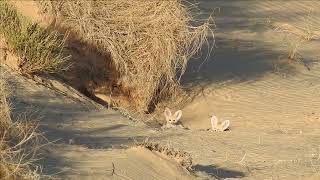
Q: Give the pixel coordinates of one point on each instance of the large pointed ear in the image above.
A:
(214, 121)
(178, 115)
(225, 125)
(167, 112)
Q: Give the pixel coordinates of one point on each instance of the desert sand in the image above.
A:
(273, 107)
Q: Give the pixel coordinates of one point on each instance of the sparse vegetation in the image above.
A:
(150, 42)
(18, 142)
(146, 45)
(39, 50)
(296, 36)
(307, 33)
(293, 49)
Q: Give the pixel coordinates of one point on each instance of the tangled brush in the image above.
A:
(150, 42)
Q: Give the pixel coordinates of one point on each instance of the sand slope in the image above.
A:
(89, 142)
(272, 106)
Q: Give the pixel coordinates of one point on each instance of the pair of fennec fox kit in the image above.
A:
(173, 120)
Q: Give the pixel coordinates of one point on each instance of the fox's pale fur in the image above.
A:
(219, 127)
(172, 118)
(173, 121)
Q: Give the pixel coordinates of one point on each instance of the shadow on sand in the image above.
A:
(217, 172)
(243, 49)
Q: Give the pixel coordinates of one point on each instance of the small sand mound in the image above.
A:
(183, 158)
(159, 161)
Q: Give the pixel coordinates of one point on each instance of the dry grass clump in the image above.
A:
(303, 32)
(302, 35)
(39, 50)
(18, 142)
(150, 42)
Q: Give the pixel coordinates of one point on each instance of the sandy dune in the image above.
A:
(273, 107)
(90, 142)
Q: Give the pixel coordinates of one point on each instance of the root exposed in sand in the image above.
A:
(181, 157)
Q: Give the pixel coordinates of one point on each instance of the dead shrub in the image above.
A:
(305, 32)
(150, 42)
(297, 35)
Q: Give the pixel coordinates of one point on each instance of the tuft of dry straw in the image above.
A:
(301, 35)
(305, 33)
(4, 104)
(150, 41)
(18, 141)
